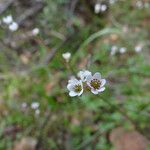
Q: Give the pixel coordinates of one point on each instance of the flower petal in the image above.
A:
(101, 89)
(70, 86)
(80, 82)
(79, 74)
(83, 74)
(72, 93)
(71, 78)
(73, 81)
(89, 78)
(103, 82)
(97, 75)
(86, 73)
(94, 91)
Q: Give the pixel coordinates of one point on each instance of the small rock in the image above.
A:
(128, 140)
(26, 143)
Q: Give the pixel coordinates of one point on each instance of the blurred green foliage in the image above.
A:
(73, 121)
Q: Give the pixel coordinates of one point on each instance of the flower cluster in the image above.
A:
(141, 4)
(100, 8)
(115, 49)
(35, 106)
(86, 82)
(12, 25)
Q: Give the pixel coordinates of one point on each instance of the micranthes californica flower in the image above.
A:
(13, 26)
(75, 87)
(7, 20)
(96, 83)
(66, 56)
(86, 82)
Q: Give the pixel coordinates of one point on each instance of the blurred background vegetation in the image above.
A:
(108, 36)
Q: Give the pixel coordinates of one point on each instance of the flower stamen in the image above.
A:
(95, 83)
(77, 88)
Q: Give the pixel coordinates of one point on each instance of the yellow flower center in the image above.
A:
(95, 83)
(77, 88)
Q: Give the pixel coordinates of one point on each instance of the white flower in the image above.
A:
(75, 87)
(103, 8)
(113, 50)
(83, 74)
(139, 4)
(13, 26)
(96, 83)
(7, 20)
(138, 48)
(35, 31)
(35, 105)
(100, 8)
(66, 56)
(97, 8)
(122, 50)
